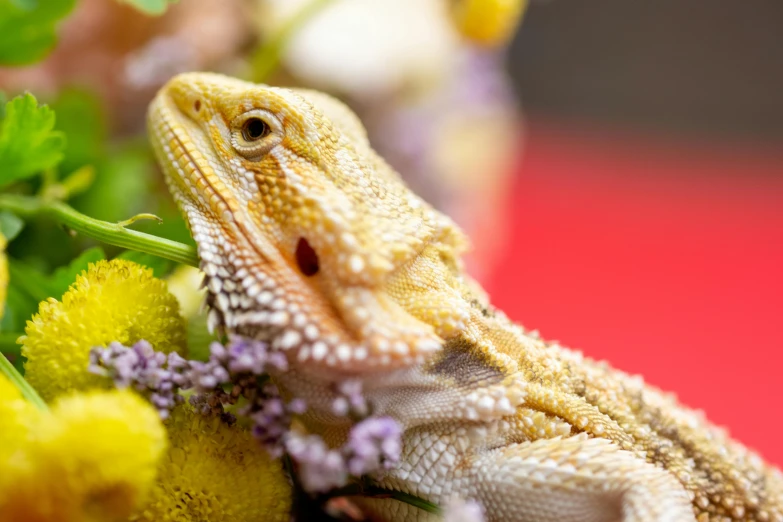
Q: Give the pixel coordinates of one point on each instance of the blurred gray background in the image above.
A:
(704, 68)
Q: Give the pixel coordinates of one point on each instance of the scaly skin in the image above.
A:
(311, 241)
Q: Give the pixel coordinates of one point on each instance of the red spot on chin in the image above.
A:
(306, 258)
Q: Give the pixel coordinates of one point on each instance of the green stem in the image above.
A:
(8, 344)
(367, 489)
(111, 233)
(268, 56)
(7, 369)
(375, 491)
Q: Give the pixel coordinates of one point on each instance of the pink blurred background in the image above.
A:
(647, 209)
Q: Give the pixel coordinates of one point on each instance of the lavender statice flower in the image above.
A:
(155, 375)
(320, 468)
(373, 444)
(237, 372)
(350, 401)
(458, 510)
(272, 417)
(246, 356)
(242, 365)
(204, 377)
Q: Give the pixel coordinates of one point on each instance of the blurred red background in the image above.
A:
(665, 259)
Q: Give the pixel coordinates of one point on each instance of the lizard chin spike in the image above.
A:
(306, 258)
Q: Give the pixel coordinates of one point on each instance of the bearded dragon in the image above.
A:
(310, 241)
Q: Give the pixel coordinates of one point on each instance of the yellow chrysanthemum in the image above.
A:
(3, 274)
(17, 419)
(8, 392)
(105, 446)
(114, 300)
(93, 457)
(489, 22)
(216, 473)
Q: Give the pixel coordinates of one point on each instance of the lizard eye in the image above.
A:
(255, 129)
(255, 133)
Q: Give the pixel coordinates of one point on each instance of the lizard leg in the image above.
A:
(576, 479)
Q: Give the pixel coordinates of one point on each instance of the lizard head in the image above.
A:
(300, 225)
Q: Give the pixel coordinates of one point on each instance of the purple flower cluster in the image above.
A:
(156, 375)
(235, 371)
(373, 445)
(244, 363)
(232, 372)
(240, 358)
(350, 401)
(320, 468)
(238, 371)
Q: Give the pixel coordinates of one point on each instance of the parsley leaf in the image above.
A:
(28, 141)
(27, 28)
(10, 225)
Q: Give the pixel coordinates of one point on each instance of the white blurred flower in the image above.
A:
(185, 283)
(156, 62)
(365, 47)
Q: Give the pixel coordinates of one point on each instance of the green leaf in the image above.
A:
(28, 28)
(78, 181)
(122, 185)
(8, 344)
(28, 280)
(10, 225)
(19, 307)
(28, 141)
(150, 7)
(40, 286)
(64, 276)
(27, 5)
(82, 118)
(160, 267)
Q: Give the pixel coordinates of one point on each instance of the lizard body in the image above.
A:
(309, 240)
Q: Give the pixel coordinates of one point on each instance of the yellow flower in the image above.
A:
(216, 473)
(112, 301)
(93, 457)
(17, 419)
(105, 446)
(489, 22)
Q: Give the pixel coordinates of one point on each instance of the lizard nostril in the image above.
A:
(197, 105)
(306, 258)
